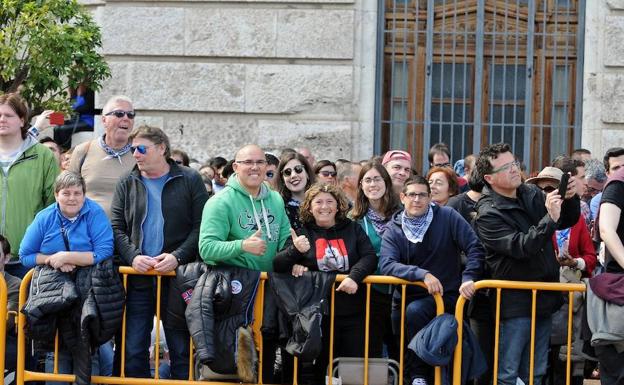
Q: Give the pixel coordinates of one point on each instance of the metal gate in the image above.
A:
(470, 73)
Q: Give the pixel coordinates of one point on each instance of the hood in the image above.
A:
(235, 184)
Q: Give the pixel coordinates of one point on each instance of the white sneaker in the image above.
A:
(419, 381)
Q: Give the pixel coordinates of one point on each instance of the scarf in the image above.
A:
(379, 222)
(415, 228)
(110, 152)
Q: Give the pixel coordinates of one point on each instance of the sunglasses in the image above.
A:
(141, 148)
(179, 162)
(120, 114)
(270, 174)
(328, 174)
(288, 171)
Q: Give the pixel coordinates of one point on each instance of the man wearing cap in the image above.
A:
(516, 222)
(399, 165)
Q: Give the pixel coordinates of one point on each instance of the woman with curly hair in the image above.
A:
(331, 242)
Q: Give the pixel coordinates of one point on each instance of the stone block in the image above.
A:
(612, 98)
(315, 33)
(230, 32)
(326, 139)
(613, 36)
(290, 89)
(615, 4)
(612, 138)
(142, 30)
(203, 86)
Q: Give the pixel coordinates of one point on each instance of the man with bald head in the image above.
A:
(246, 223)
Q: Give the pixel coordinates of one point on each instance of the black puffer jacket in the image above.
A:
(517, 237)
(304, 299)
(221, 303)
(87, 306)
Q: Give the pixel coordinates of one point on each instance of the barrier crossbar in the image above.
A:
(499, 285)
(23, 375)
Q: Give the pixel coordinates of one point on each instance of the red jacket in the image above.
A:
(580, 246)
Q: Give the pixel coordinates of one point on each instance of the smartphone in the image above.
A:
(563, 185)
(57, 119)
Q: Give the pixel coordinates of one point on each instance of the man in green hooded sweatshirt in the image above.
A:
(245, 224)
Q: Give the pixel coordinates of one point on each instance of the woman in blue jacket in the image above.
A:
(70, 233)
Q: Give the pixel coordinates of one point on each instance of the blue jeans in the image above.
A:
(515, 347)
(65, 365)
(106, 359)
(140, 310)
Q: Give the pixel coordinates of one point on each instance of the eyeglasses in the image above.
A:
(506, 167)
(251, 162)
(270, 174)
(548, 189)
(328, 174)
(417, 196)
(375, 180)
(120, 114)
(288, 171)
(141, 148)
(443, 165)
(178, 161)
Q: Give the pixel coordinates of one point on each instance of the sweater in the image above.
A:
(91, 231)
(100, 174)
(232, 216)
(27, 188)
(439, 253)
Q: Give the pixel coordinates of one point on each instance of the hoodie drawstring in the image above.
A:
(264, 216)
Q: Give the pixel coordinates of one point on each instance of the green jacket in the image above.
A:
(27, 188)
(232, 216)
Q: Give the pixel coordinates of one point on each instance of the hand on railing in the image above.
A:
(467, 289)
(166, 263)
(348, 285)
(143, 263)
(433, 284)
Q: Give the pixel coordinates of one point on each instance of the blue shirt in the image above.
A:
(594, 204)
(91, 231)
(154, 224)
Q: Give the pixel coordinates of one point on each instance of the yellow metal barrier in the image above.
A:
(25, 376)
(3, 316)
(516, 285)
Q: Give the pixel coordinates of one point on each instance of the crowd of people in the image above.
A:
(128, 196)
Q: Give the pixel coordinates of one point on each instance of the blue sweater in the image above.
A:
(91, 231)
(439, 253)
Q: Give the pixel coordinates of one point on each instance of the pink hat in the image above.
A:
(396, 155)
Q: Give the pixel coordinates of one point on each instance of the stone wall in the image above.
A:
(603, 90)
(219, 74)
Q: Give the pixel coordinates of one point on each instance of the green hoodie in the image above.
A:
(234, 215)
(27, 188)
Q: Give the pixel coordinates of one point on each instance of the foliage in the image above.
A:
(47, 46)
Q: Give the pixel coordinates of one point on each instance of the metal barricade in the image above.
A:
(24, 375)
(516, 285)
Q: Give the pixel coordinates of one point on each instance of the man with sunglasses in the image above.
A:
(156, 214)
(516, 222)
(104, 159)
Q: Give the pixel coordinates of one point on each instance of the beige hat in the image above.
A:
(548, 174)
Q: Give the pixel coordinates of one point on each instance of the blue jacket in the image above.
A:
(91, 231)
(439, 253)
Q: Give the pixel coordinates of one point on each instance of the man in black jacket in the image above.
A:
(156, 214)
(516, 223)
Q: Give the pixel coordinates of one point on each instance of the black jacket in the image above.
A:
(183, 199)
(517, 237)
(86, 305)
(220, 303)
(345, 238)
(304, 300)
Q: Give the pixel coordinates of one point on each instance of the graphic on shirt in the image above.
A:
(247, 222)
(237, 287)
(331, 255)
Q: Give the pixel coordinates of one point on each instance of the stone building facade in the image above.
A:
(217, 75)
(603, 90)
(285, 73)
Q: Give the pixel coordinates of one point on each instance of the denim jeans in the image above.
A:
(515, 347)
(106, 359)
(65, 365)
(140, 310)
